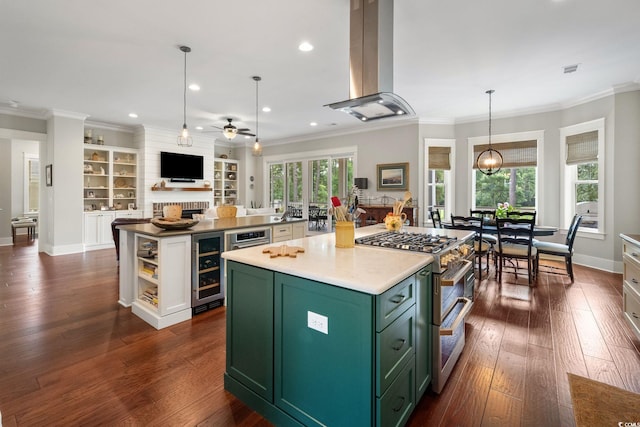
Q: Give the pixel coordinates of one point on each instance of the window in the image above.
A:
(31, 183)
(438, 182)
(582, 153)
(517, 181)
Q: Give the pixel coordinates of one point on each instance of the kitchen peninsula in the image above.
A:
(334, 336)
(159, 269)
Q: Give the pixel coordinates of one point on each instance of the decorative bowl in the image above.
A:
(173, 224)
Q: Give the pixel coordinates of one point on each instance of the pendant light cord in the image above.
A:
(490, 92)
(184, 96)
(257, 79)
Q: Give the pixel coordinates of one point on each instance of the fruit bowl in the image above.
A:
(173, 223)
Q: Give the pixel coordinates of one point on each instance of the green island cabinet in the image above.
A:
(306, 353)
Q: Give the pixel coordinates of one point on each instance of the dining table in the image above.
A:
(538, 230)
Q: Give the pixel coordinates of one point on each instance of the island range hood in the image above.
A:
(371, 63)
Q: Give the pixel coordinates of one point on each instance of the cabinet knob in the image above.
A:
(399, 344)
(399, 405)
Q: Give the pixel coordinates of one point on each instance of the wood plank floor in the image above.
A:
(70, 355)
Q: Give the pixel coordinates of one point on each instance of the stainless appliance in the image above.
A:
(453, 280)
(239, 239)
(207, 271)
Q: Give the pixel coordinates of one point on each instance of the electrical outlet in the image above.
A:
(318, 322)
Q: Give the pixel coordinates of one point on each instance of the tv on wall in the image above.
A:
(181, 167)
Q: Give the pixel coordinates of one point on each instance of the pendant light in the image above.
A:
(184, 140)
(257, 148)
(490, 160)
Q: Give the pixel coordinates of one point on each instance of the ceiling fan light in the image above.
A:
(230, 132)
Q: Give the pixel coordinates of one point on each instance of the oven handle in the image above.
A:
(463, 313)
(249, 244)
(446, 280)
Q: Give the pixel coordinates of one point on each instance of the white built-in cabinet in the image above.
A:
(110, 188)
(225, 182)
(163, 279)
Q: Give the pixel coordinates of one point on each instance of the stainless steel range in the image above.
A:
(453, 281)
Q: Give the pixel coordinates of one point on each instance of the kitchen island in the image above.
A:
(158, 284)
(334, 336)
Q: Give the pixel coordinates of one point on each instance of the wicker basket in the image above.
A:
(227, 211)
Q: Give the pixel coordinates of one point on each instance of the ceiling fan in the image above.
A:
(230, 131)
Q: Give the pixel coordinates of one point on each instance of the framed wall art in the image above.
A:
(392, 176)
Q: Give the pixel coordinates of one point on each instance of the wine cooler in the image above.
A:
(207, 271)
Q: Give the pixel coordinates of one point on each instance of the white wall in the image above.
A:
(153, 142)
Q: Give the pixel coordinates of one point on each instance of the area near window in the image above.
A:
(439, 179)
(518, 181)
(582, 153)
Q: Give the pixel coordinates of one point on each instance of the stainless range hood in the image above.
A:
(371, 64)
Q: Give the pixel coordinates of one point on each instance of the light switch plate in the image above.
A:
(318, 322)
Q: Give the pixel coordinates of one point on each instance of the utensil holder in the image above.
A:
(345, 234)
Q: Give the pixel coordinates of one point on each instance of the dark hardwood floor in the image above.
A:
(70, 355)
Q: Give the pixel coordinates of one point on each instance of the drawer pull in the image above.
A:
(634, 280)
(399, 405)
(635, 315)
(400, 343)
(423, 273)
(634, 254)
(397, 299)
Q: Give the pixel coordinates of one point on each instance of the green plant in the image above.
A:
(503, 209)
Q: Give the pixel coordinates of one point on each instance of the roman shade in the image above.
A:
(514, 154)
(439, 158)
(582, 148)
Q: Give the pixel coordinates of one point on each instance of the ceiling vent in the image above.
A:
(371, 94)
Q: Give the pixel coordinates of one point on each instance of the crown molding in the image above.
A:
(110, 126)
(21, 112)
(66, 114)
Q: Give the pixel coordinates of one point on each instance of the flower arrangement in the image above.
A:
(503, 209)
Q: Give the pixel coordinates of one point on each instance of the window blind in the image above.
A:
(439, 158)
(514, 154)
(582, 148)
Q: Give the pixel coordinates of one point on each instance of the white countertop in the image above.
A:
(363, 268)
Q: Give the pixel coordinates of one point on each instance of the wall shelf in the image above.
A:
(181, 189)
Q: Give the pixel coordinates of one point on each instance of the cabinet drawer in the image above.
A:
(631, 251)
(394, 302)
(396, 405)
(631, 273)
(394, 346)
(631, 308)
(281, 231)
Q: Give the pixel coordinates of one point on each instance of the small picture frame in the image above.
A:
(91, 195)
(131, 206)
(48, 173)
(393, 176)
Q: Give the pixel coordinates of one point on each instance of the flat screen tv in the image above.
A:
(181, 167)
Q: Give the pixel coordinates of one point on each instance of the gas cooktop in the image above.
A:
(417, 242)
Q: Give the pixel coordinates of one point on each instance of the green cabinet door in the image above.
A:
(250, 327)
(323, 353)
(423, 331)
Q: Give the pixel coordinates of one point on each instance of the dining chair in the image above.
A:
(480, 246)
(515, 243)
(489, 217)
(560, 250)
(435, 218)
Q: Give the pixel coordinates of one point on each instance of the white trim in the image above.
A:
(66, 114)
(567, 207)
(450, 201)
(26, 159)
(597, 263)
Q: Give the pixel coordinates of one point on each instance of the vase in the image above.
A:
(395, 222)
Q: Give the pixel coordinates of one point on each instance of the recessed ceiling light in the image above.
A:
(194, 87)
(305, 47)
(313, 124)
(133, 115)
(266, 109)
(199, 128)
